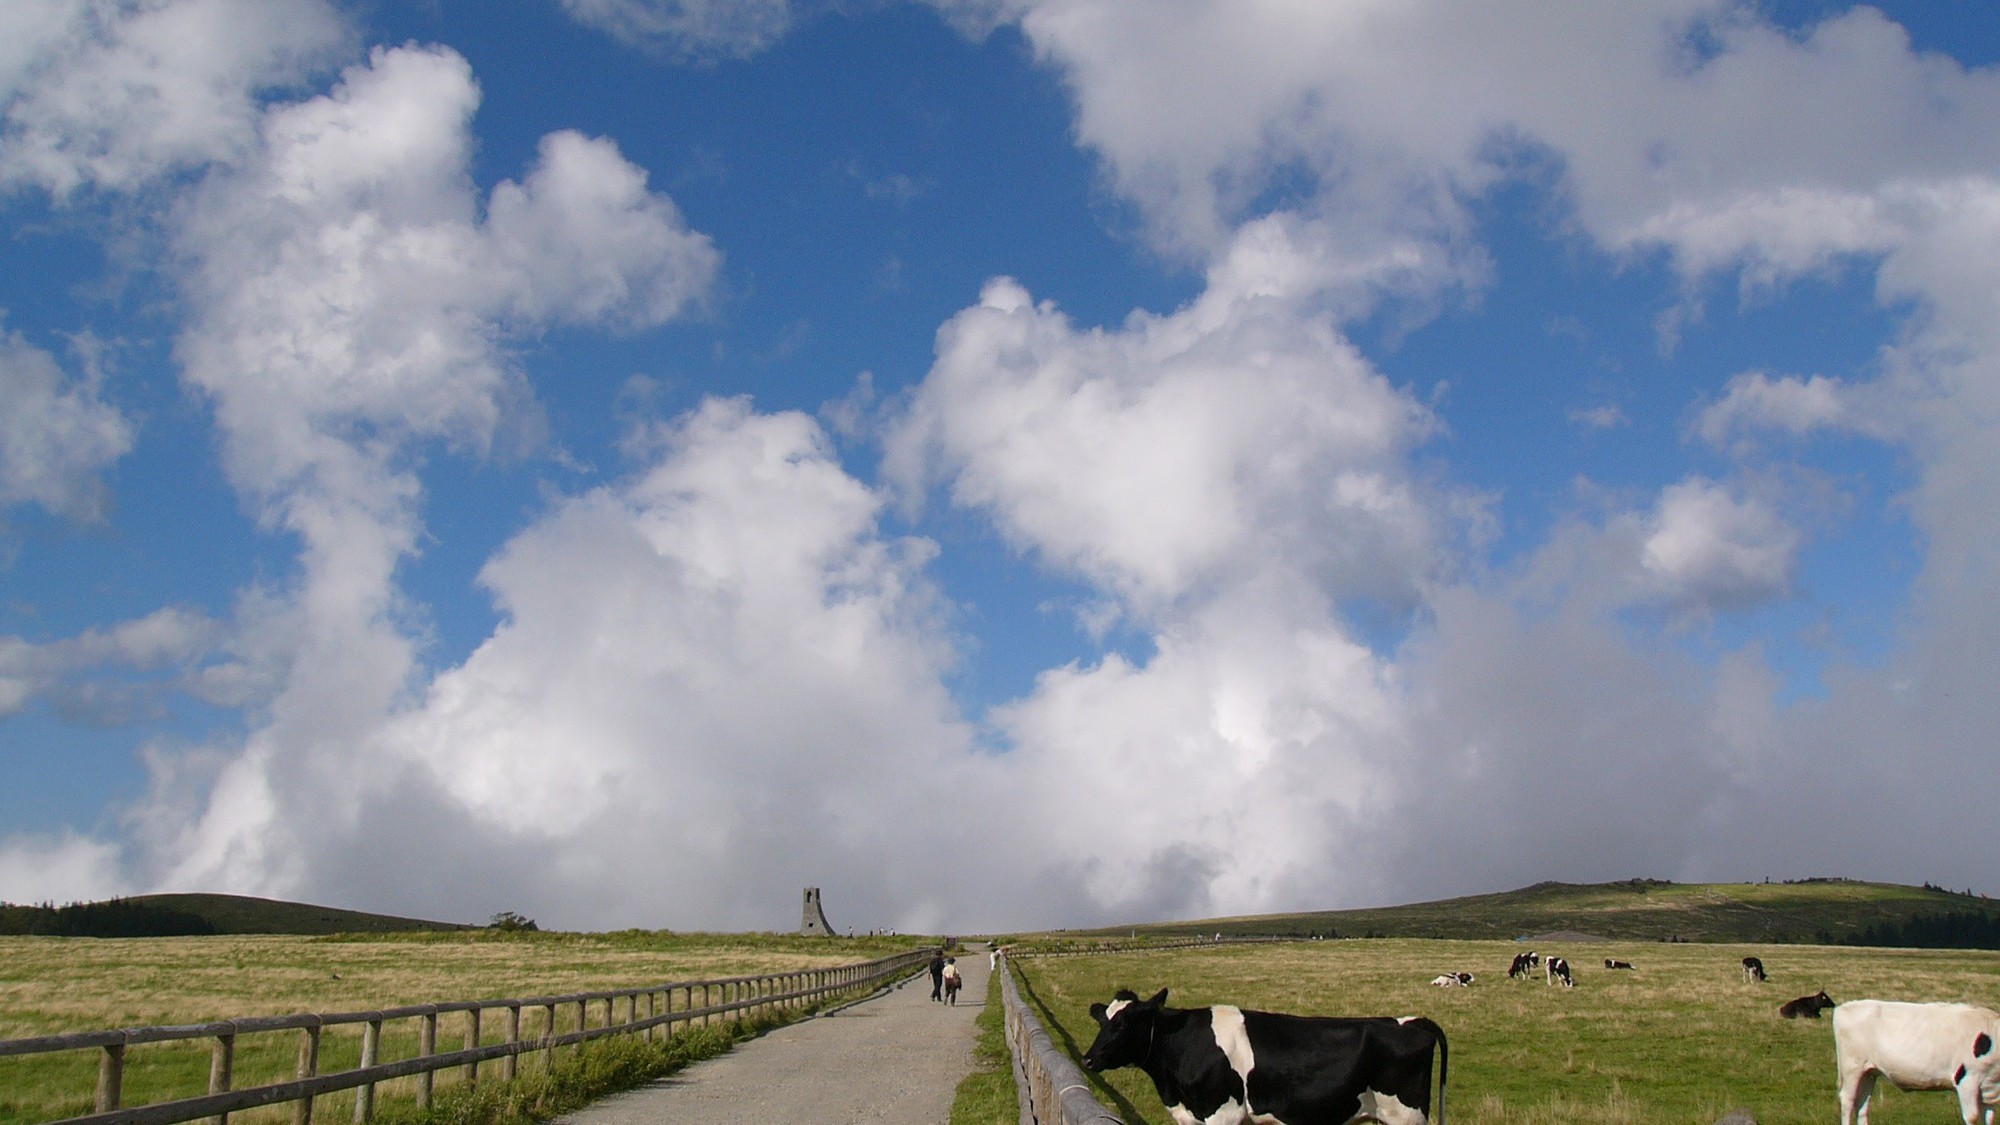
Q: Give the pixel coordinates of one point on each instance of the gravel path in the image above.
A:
(895, 1059)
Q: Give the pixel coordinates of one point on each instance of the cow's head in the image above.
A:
(1124, 1030)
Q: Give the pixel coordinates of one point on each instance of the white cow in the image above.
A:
(1917, 1047)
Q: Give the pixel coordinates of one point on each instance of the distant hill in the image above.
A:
(193, 914)
(1822, 911)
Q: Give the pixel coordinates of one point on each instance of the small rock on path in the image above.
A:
(895, 1059)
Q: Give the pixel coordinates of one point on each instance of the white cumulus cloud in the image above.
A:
(116, 93)
(1707, 547)
(688, 29)
(1176, 452)
(57, 435)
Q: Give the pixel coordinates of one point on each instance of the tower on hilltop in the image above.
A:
(812, 919)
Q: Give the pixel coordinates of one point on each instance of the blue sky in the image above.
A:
(1145, 461)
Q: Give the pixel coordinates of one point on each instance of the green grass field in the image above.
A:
(54, 985)
(986, 1096)
(1683, 1039)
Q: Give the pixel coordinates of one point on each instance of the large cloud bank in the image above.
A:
(723, 676)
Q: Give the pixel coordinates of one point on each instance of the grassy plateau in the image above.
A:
(1826, 911)
(1683, 1038)
(54, 985)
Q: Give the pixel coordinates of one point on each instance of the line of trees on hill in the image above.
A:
(1953, 929)
(116, 917)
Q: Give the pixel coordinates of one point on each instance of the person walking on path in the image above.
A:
(952, 980)
(937, 975)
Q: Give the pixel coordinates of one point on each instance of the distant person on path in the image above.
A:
(993, 958)
(937, 976)
(952, 980)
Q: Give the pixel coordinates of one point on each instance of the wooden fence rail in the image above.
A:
(1147, 946)
(733, 996)
(1051, 1088)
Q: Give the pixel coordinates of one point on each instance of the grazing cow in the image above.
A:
(1227, 1066)
(1611, 964)
(1557, 969)
(1807, 1007)
(1753, 969)
(1917, 1047)
(1524, 963)
(1453, 980)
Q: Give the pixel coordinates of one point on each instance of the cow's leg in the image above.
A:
(1968, 1098)
(1855, 1091)
(1386, 1109)
(1971, 1104)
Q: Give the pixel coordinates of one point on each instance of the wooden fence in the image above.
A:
(1145, 946)
(735, 996)
(1052, 1089)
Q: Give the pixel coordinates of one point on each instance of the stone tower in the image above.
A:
(812, 920)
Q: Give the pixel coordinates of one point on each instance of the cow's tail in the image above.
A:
(1444, 1062)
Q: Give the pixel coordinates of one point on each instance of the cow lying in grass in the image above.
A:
(1227, 1066)
(1806, 1007)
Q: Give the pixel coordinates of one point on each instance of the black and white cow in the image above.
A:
(1524, 963)
(1753, 969)
(1557, 969)
(1611, 963)
(1453, 980)
(1917, 1047)
(1806, 1007)
(1227, 1066)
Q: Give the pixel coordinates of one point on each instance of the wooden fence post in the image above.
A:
(513, 1067)
(371, 1049)
(549, 1041)
(302, 1110)
(221, 1062)
(427, 1039)
(110, 1077)
(471, 1041)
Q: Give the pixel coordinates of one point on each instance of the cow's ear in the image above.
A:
(1158, 999)
(1097, 1013)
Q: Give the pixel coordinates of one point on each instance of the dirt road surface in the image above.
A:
(895, 1060)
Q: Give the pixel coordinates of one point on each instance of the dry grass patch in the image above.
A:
(1682, 1039)
(54, 985)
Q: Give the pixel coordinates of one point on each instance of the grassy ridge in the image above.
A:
(242, 914)
(1820, 911)
(1684, 1038)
